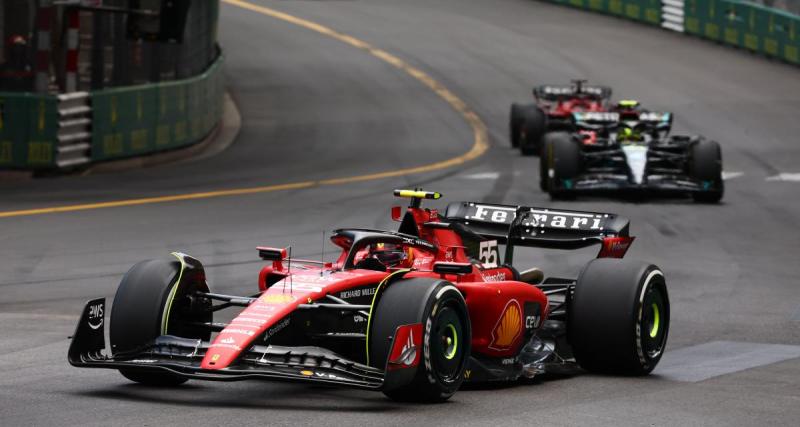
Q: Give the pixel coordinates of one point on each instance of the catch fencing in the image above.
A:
(75, 88)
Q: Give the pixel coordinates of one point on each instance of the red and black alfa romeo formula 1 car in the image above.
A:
(413, 313)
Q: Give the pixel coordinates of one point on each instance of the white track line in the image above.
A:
(731, 175)
(483, 175)
(793, 177)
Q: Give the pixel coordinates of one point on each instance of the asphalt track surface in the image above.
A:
(315, 108)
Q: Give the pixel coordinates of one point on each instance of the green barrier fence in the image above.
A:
(647, 11)
(144, 119)
(750, 26)
(739, 23)
(28, 125)
(126, 122)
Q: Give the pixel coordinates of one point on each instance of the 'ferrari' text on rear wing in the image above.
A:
(537, 227)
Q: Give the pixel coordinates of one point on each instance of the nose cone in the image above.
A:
(637, 161)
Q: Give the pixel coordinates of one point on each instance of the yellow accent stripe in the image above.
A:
(171, 296)
(479, 130)
(151, 200)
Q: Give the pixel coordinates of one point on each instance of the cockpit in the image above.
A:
(382, 250)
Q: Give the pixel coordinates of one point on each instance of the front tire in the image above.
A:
(532, 128)
(446, 340)
(156, 298)
(706, 167)
(563, 154)
(619, 317)
(514, 121)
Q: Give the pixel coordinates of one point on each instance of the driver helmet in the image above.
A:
(628, 134)
(389, 254)
(627, 104)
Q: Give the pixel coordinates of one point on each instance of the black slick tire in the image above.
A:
(149, 291)
(446, 339)
(532, 128)
(563, 156)
(514, 121)
(619, 317)
(705, 166)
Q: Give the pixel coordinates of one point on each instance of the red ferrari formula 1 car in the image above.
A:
(552, 111)
(413, 313)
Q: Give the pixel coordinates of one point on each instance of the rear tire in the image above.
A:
(564, 158)
(515, 118)
(149, 292)
(706, 167)
(446, 340)
(619, 317)
(532, 128)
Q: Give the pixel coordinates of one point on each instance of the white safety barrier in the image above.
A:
(74, 129)
(672, 15)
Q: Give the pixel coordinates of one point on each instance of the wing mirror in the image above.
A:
(452, 267)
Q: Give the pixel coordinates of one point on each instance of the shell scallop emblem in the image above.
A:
(508, 328)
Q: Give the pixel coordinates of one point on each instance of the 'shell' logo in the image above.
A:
(508, 327)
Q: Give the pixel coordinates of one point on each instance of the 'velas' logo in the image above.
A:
(508, 327)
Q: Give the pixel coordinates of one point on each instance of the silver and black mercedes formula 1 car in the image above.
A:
(630, 151)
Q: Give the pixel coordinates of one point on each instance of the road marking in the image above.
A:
(479, 146)
(726, 176)
(483, 175)
(712, 359)
(795, 177)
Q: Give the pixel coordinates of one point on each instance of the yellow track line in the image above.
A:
(479, 146)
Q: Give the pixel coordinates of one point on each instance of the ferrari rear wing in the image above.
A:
(554, 93)
(542, 227)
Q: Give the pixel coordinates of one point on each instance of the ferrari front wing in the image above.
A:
(183, 356)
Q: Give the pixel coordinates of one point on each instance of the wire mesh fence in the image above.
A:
(16, 36)
(40, 38)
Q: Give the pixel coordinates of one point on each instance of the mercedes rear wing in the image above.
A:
(543, 227)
